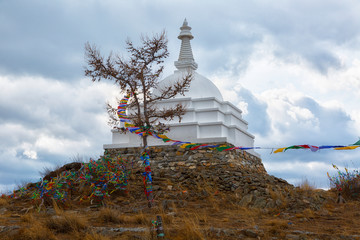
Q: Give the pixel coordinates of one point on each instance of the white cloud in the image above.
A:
(295, 166)
(55, 145)
(44, 121)
(30, 154)
(297, 105)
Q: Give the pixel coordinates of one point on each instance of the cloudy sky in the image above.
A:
(293, 67)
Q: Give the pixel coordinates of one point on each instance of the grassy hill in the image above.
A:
(200, 210)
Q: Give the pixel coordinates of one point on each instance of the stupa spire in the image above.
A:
(186, 59)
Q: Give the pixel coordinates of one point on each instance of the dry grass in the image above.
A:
(202, 218)
(277, 227)
(166, 216)
(28, 218)
(191, 222)
(201, 213)
(190, 230)
(95, 236)
(4, 202)
(108, 215)
(66, 223)
(139, 218)
(277, 196)
(278, 223)
(329, 207)
(308, 213)
(167, 219)
(37, 231)
(273, 194)
(305, 185)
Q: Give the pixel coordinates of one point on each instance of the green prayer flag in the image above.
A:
(192, 145)
(220, 149)
(293, 147)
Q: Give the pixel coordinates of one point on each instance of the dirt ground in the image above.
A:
(216, 216)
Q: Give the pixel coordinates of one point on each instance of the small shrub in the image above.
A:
(305, 185)
(346, 182)
(79, 181)
(47, 170)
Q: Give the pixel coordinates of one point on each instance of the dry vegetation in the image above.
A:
(215, 216)
(4, 201)
(305, 185)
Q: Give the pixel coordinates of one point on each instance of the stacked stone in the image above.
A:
(175, 169)
(175, 158)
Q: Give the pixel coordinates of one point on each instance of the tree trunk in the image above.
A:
(147, 175)
(144, 140)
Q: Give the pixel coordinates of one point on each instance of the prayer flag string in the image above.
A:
(140, 131)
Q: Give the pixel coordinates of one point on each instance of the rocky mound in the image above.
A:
(202, 173)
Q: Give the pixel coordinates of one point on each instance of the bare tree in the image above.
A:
(139, 74)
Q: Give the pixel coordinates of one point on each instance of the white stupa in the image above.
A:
(208, 119)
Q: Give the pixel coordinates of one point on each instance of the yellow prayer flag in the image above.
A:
(346, 148)
(129, 124)
(279, 150)
(185, 145)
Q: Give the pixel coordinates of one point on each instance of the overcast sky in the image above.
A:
(293, 67)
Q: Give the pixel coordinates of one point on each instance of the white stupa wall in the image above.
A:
(206, 120)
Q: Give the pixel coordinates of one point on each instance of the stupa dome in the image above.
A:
(200, 86)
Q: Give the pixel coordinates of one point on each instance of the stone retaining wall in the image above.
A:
(174, 158)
